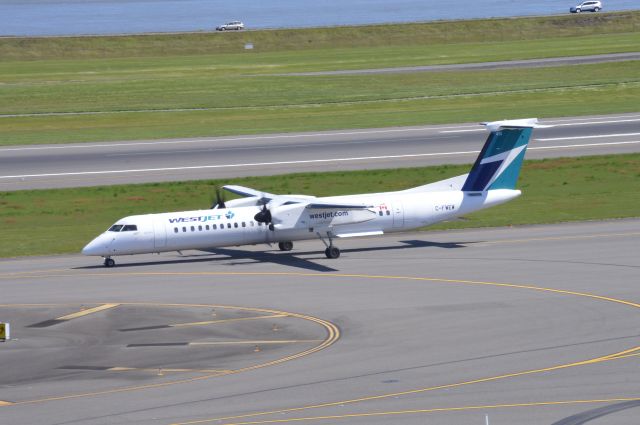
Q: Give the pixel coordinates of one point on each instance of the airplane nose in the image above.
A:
(95, 247)
(90, 248)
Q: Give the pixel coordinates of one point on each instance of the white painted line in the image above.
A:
(227, 139)
(578, 119)
(568, 124)
(254, 164)
(585, 145)
(471, 130)
(597, 136)
(309, 161)
(452, 129)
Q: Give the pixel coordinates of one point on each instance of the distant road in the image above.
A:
(92, 164)
(479, 66)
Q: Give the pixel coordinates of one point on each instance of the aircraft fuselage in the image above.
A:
(203, 229)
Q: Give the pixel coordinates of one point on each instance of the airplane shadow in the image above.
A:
(288, 259)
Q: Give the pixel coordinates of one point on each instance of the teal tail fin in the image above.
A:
(498, 165)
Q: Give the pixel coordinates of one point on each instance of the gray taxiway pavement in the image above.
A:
(526, 325)
(91, 164)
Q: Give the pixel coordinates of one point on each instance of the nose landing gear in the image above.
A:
(109, 262)
(285, 246)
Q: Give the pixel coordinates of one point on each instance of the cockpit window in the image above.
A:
(115, 228)
(129, 228)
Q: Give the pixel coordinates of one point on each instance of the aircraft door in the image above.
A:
(398, 214)
(159, 233)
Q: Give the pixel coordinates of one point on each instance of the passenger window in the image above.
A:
(235, 225)
(115, 228)
(214, 226)
(184, 229)
(388, 212)
(206, 227)
(228, 225)
(380, 213)
(244, 224)
(200, 228)
(175, 230)
(193, 229)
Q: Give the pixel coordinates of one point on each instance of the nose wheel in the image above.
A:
(109, 262)
(285, 246)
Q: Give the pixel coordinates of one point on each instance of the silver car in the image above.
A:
(233, 25)
(587, 6)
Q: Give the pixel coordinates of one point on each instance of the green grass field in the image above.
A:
(554, 190)
(205, 84)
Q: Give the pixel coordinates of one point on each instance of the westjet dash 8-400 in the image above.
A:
(260, 217)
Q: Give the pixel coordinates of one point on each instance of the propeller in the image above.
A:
(264, 216)
(219, 199)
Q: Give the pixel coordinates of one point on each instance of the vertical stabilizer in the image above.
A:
(498, 165)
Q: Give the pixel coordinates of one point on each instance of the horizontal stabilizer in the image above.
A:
(523, 123)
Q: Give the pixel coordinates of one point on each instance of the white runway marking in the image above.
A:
(226, 139)
(596, 136)
(462, 128)
(309, 161)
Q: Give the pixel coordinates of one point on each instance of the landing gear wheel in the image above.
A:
(285, 246)
(332, 252)
(109, 262)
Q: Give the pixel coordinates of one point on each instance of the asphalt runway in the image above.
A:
(91, 164)
(526, 325)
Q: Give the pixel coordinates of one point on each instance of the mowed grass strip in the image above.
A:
(554, 190)
(190, 85)
(202, 89)
(607, 98)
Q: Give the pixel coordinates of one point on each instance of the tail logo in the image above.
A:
(500, 160)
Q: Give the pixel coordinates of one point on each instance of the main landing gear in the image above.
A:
(331, 251)
(109, 262)
(285, 246)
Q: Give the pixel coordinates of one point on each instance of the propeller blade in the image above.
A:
(264, 216)
(219, 200)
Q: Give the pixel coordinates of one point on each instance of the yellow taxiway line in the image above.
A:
(86, 312)
(213, 322)
(333, 334)
(165, 370)
(433, 410)
(300, 341)
(5, 403)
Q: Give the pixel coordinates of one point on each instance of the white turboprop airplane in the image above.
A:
(261, 217)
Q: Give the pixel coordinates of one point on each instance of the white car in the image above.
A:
(233, 25)
(587, 6)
